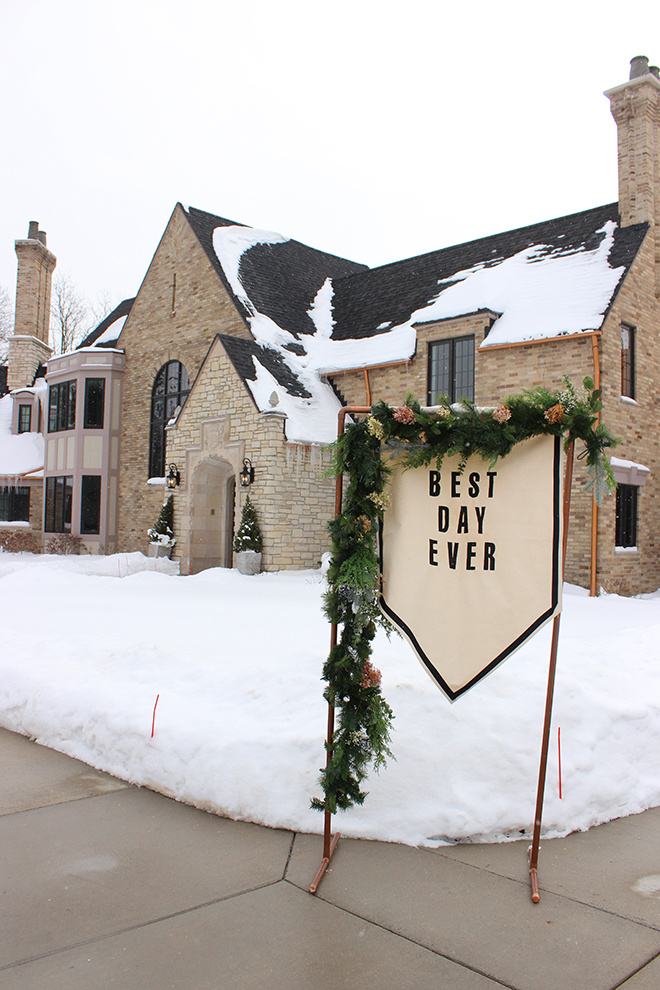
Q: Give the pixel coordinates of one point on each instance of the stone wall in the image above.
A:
(23, 358)
(218, 427)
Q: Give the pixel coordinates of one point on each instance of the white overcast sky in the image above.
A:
(371, 129)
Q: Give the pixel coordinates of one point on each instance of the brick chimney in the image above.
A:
(635, 106)
(28, 347)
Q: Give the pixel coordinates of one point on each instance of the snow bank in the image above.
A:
(241, 719)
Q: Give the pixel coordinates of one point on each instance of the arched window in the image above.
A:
(171, 387)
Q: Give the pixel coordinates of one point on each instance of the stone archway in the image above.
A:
(213, 493)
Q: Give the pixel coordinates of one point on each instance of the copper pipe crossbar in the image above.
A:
(330, 843)
(534, 848)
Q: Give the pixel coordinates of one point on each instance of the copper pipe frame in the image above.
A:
(330, 842)
(543, 765)
(593, 583)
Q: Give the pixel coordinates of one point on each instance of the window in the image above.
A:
(24, 419)
(627, 361)
(14, 504)
(59, 495)
(90, 504)
(94, 403)
(62, 407)
(626, 516)
(170, 389)
(451, 370)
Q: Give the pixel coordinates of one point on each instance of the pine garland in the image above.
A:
(417, 436)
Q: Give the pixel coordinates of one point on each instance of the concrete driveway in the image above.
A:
(106, 885)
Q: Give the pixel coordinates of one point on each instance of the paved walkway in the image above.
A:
(105, 885)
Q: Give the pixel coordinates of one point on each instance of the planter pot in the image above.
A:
(159, 550)
(248, 562)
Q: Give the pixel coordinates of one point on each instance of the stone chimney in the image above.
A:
(635, 107)
(29, 347)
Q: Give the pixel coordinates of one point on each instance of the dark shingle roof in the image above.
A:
(241, 353)
(390, 294)
(281, 279)
(204, 224)
(122, 310)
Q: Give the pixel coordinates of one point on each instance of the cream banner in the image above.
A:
(471, 560)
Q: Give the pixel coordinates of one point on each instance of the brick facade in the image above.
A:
(28, 347)
(179, 309)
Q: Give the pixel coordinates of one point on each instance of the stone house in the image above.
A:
(241, 346)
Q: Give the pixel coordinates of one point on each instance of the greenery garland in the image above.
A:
(418, 436)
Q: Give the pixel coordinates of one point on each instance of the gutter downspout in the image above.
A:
(594, 504)
(367, 386)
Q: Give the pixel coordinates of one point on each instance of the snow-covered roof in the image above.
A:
(311, 314)
(106, 334)
(22, 454)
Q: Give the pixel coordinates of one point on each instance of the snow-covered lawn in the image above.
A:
(88, 643)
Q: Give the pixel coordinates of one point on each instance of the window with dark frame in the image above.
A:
(627, 361)
(90, 504)
(24, 419)
(94, 403)
(170, 390)
(451, 370)
(59, 497)
(62, 406)
(14, 503)
(626, 516)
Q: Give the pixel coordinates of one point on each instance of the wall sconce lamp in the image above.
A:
(247, 474)
(173, 479)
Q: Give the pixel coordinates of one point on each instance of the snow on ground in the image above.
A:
(89, 642)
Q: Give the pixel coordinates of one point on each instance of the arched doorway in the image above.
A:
(213, 493)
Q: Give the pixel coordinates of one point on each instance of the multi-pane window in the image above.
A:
(451, 370)
(14, 504)
(62, 406)
(94, 403)
(24, 419)
(627, 361)
(59, 496)
(90, 503)
(170, 390)
(626, 516)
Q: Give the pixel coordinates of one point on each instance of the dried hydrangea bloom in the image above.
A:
(380, 499)
(502, 414)
(375, 427)
(555, 414)
(404, 414)
(371, 676)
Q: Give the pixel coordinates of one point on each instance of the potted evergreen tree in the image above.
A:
(161, 535)
(248, 542)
